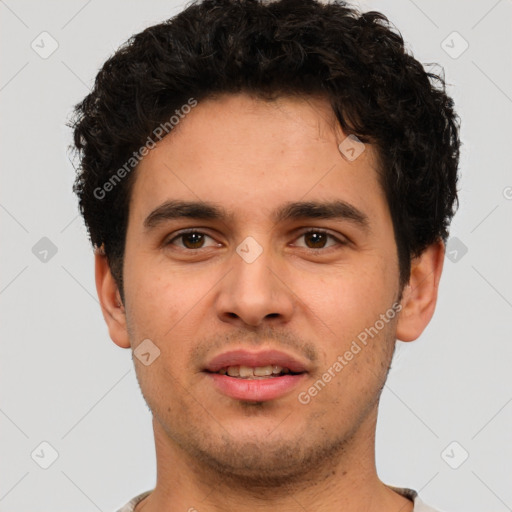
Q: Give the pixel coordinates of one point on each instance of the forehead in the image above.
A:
(252, 155)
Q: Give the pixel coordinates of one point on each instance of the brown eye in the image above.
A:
(190, 240)
(193, 240)
(316, 238)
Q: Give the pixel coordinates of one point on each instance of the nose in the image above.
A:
(256, 292)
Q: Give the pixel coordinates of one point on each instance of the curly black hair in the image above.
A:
(357, 61)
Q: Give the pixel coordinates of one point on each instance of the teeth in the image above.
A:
(234, 371)
(246, 372)
(262, 371)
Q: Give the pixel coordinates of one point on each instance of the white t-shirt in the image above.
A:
(419, 506)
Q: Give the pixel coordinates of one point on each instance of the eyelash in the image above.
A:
(310, 231)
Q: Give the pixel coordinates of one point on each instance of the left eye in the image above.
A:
(318, 238)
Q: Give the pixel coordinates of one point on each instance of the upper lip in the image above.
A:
(244, 357)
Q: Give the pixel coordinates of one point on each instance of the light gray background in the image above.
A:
(63, 380)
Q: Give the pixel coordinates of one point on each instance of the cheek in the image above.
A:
(350, 382)
(154, 301)
(355, 350)
(347, 299)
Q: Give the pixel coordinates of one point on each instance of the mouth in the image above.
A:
(255, 377)
(258, 372)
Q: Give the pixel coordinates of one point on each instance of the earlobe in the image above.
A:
(420, 295)
(110, 301)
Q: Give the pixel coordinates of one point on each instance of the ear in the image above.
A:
(110, 301)
(420, 294)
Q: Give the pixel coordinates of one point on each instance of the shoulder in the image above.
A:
(419, 505)
(130, 506)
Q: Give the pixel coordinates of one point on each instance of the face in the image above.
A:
(311, 294)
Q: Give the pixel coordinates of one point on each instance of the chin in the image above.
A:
(262, 461)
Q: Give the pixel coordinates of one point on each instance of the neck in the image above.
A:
(347, 481)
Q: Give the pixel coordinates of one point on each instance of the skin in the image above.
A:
(215, 453)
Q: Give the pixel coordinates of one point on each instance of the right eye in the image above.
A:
(191, 239)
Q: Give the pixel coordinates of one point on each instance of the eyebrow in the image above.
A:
(300, 210)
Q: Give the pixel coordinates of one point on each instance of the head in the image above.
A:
(244, 105)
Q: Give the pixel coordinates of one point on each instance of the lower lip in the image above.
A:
(255, 390)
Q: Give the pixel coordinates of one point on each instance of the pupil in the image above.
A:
(196, 238)
(319, 238)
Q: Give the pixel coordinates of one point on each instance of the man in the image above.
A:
(268, 188)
